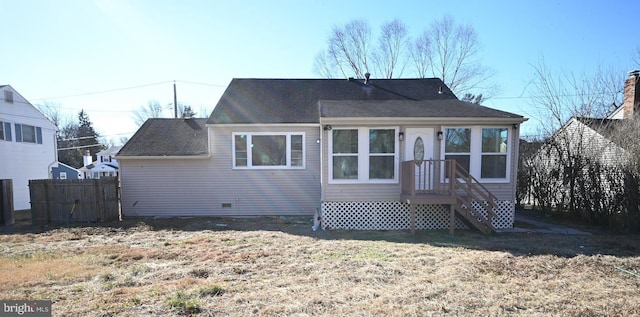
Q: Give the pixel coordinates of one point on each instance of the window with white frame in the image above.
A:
(364, 155)
(494, 153)
(457, 146)
(482, 151)
(268, 150)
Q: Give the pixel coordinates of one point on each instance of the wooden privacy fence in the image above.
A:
(60, 200)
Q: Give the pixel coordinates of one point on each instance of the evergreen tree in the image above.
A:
(75, 139)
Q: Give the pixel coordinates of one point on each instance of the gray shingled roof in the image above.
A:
(408, 109)
(296, 100)
(168, 137)
(602, 125)
(606, 127)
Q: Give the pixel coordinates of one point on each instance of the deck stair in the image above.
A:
(429, 182)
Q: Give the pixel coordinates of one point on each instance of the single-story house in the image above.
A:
(356, 154)
(64, 171)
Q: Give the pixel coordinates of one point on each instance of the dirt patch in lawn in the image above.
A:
(279, 266)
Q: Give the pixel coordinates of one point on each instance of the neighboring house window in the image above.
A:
(458, 146)
(268, 150)
(63, 175)
(364, 155)
(28, 133)
(5, 131)
(8, 96)
(482, 151)
(494, 153)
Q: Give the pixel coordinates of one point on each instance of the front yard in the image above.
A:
(279, 266)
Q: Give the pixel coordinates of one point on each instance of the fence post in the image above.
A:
(6, 202)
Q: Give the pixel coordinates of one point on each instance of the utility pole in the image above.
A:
(175, 101)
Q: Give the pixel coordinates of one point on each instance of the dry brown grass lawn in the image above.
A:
(276, 266)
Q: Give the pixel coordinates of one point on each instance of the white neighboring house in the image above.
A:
(104, 165)
(27, 144)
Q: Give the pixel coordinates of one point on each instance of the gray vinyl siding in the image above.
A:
(263, 191)
(384, 192)
(208, 186)
(354, 192)
(165, 187)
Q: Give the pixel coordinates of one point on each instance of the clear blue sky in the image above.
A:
(111, 57)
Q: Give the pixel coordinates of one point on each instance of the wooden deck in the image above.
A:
(429, 182)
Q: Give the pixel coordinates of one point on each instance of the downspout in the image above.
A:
(55, 156)
(317, 219)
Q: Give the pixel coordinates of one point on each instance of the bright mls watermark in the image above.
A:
(25, 308)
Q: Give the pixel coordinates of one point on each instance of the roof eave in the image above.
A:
(164, 157)
(423, 120)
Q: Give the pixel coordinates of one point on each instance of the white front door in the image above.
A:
(411, 135)
(423, 172)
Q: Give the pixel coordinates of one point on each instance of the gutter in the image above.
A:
(166, 157)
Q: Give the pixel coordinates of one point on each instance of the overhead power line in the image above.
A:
(129, 88)
(104, 91)
(80, 147)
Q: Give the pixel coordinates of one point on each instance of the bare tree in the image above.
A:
(390, 55)
(450, 52)
(153, 109)
(557, 97)
(322, 65)
(421, 51)
(445, 50)
(574, 171)
(52, 111)
(349, 49)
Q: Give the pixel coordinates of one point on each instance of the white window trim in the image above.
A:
(475, 161)
(363, 157)
(288, 151)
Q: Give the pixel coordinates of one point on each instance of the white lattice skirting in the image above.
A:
(395, 215)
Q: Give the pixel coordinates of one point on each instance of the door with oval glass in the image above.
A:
(418, 146)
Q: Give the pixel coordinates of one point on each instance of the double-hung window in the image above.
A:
(482, 151)
(268, 150)
(494, 153)
(5, 131)
(458, 146)
(28, 133)
(363, 155)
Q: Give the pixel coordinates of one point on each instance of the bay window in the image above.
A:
(364, 155)
(268, 150)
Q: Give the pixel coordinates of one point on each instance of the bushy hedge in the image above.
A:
(604, 194)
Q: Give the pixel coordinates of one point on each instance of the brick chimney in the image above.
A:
(631, 102)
